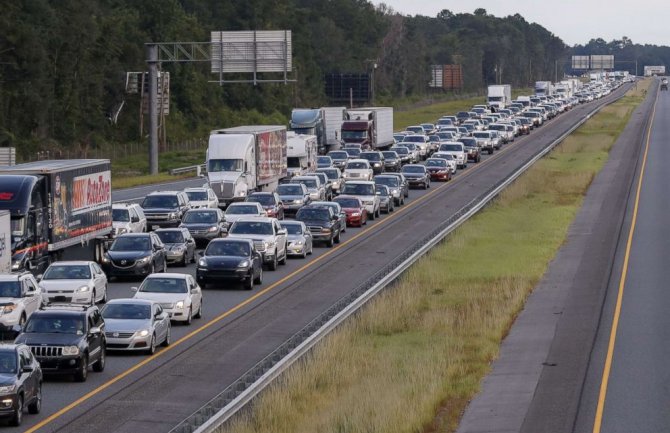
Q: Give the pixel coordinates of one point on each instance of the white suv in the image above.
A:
(20, 296)
(367, 192)
(128, 218)
(202, 197)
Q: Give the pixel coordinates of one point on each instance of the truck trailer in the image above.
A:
(333, 119)
(301, 153)
(499, 96)
(544, 88)
(371, 127)
(54, 205)
(245, 159)
(5, 243)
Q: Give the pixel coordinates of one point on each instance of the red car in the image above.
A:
(270, 202)
(353, 207)
(438, 169)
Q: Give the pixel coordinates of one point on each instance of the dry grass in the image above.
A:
(415, 356)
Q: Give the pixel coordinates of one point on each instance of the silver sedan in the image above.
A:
(135, 325)
(300, 241)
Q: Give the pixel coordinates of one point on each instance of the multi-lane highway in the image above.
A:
(239, 328)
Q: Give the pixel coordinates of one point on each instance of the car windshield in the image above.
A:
(446, 156)
(410, 146)
(164, 201)
(69, 272)
(164, 285)
(371, 156)
(309, 183)
(451, 148)
(354, 135)
(289, 190)
(127, 311)
(197, 195)
(171, 236)
(469, 142)
(356, 166)
(292, 229)
(10, 289)
(382, 191)
(242, 210)
(414, 139)
(323, 160)
(348, 202)
(388, 181)
(353, 152)
(338, 155)
(131, 243)
(331, 173)
(401, 150)
(413, 169)
(202, 217)
(251, 228)
(225, 165)
(45, 324)
(227, 248)
(7, 362)
(358, 189)
(435, 163)
(390, 155)
(314, 214)
(120, 215)
(481, 135)
(263, 199)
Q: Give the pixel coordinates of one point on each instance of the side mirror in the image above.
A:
(94, 331)
(201, 254)
(334, 217)
(159, 247)
(134, 289)
(27, 369)
(282, 232)
(17, 329)
(39, 277)
(160, 316)
(135, 219)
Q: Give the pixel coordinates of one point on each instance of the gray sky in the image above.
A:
(574, 21)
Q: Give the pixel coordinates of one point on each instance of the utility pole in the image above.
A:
(152, 60)
(555, 71)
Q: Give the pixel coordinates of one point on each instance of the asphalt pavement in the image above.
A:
(239, 328)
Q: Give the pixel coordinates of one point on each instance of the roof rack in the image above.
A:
(65, 306)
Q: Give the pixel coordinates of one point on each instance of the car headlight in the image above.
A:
(83, 289)
(355, 214)
(269, 244)
(298, 243)
(7, 389)
(325, 230)
(212, 229)
(144, 260)
(8, 308)
(297, 201)
(172, 215)
(143, 333)
(202, 263)
(70, 350)
(394, 191)
(121, 230)
(105, 259)
(243, 264)
(376, 164)
(16, 265)
(179, 305)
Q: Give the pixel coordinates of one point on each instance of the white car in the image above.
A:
(451, 161)
(202, 197)
(269, 238)
(421, 142)
(357, 169)
(128, 218)
(235, 211)
(20, 296)
(367, 192)
(178, 294)
(457, 150)
(316, 190)
(77, 282)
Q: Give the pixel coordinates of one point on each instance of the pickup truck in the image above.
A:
(269, 238)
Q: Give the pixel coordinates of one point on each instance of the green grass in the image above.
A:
(131, 170)
(413, 358)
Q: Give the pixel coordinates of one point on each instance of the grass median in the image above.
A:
(412, 359)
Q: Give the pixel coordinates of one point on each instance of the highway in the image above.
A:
(239, 328)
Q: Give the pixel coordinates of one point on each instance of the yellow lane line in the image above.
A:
(597, 423)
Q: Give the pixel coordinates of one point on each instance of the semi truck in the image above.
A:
(54, 205)
(5, 243)
(544, 88)
(333, 119)
(245, 159)
(301, 153)
(499, 96)
(325, 123)
(371, 127)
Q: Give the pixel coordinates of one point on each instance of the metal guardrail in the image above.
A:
(222, 407)
(199, 169)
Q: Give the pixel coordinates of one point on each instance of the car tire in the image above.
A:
(189, 318)
(152, 346)
(82, 374)
(425, 185)
(259, 278)
(274, 264)
(168, 336)
(490, 151)
(36, 405)
(371, 216)
(311, 248)
(283, 260)
(104, 298)
(153, 269)
(330, 242)
(198, 315)
(337, 238)
(183, 261)
(22, 320)
(248, 283)
(99, 366)
(17, 416)
(93, 295)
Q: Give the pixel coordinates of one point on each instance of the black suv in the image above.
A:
(376, 159)
(20, 382)
(165, 208)
(322, 223)
(66, 339)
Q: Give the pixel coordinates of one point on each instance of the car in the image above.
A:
(403, 152)
(270, 201)
(471, 148)
(526, 125)
(429, 128)
(496, 138)
(353, 152)
(417, 175)
(404, 185)
(324, 161)
(128, 218)
(385, 198)
(20, 382)
(392, 161)
(202, 197)
(357, 169)
(451, 161)
(316, 189)
(293, 196)
(395, 187)
(165, 208)
(300, 241)
(413, 151)
(243, 209)
(457, 150)
(20, 296)
(485, 140)
(325, 182)
(339, 158)
(204, 224)
(268, 237)
(416, 129)
(178, 294)
(439, 169)
(462, 116)
(337, 210)
(77, 282)
(419, 140)
(505, 136)
(335, 178)
(366, 191)
(136, 325)
(376, 160)
(433, 143)
(322, 223)
(179, 245)
(230, 260)
(66, 340)
(353, 207)
(135, 254)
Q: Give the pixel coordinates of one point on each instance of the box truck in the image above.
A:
(5, 243)
(333, 119)
(371, 127)
(544, 88)
(245, 159)
(54, 205)
(301, 153)
(499, 96)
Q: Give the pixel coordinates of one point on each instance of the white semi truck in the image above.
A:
(544, 88)
(301, 153)
(499, 96)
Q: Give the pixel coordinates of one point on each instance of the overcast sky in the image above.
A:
(574, 21)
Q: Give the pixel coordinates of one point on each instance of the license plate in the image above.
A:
(155, 227)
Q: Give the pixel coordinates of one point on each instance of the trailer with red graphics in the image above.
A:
(54, 205)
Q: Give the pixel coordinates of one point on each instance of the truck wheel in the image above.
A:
(283, 259)
(330, 243)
